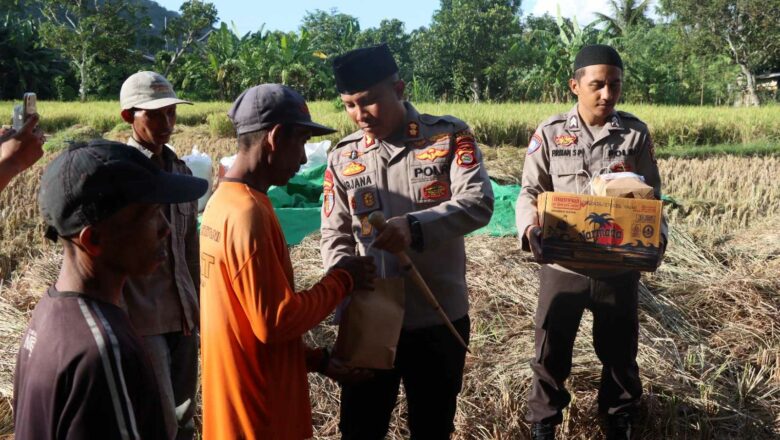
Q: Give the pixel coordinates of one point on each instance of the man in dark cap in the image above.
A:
(425, 174)
(82, 371)
(564, 152)
(252, 319)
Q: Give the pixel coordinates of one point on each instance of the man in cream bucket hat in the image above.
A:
(163, 306)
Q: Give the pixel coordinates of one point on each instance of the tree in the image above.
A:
(331, 33)
(25, 65)
(661, 69)
(625, 14)
(745, 30)
(539, 64)
(465, 38)
(222, 54)
(86, 31)
(400, 43)
(187, 32)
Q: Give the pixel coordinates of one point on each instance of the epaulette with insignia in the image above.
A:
(429, 119)
(626, 115)
(448, 119)
(633, 119)
(555, 119)
(351, 138)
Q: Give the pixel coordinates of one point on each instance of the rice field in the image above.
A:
(494, 124)
(709, 324)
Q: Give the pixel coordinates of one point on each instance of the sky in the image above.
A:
(286, 15)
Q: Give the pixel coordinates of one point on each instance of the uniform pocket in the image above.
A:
(429, 179)
(568, 175)
(566, 167)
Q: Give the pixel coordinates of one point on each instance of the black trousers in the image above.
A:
(562, 299)
(430, 363)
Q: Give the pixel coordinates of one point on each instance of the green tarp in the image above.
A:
(298, 206)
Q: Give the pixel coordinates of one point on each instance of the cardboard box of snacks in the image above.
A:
(584, 231)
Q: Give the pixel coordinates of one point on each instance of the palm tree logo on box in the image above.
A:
(605, 231)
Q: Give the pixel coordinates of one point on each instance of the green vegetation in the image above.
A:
(472, 50)
(494, 124)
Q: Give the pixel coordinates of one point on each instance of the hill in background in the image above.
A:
(156, 13)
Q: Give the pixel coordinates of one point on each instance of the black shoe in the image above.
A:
(619, 426)
(542, 431)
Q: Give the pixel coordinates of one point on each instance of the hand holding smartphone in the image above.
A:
(25, 110)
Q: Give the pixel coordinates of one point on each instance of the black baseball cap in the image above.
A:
(359, 69)
(266, 105)
(89, 182)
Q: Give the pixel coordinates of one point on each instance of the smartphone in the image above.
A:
(22, 112)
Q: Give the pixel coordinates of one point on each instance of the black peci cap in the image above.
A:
(89, 182)
(597, 54)
(266, 105)
(359, 69)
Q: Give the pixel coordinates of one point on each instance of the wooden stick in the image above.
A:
(377, 219)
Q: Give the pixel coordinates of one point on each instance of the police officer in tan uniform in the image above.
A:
(564, 153)
(425, 174)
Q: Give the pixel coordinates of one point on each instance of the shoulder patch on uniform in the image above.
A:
(328, 197)
(534, 144)
(464, 139)
(466, 157)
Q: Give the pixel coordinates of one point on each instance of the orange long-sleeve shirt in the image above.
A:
(254, 366)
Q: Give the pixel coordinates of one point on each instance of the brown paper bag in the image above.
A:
(626, 187)
(370, 326)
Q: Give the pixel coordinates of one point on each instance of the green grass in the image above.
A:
(494, 124)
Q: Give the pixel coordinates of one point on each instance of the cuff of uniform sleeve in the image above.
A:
(415, 227)
(524, 244)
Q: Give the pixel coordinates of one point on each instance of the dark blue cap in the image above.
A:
(261, 107)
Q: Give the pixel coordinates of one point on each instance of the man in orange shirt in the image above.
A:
(252, 319)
